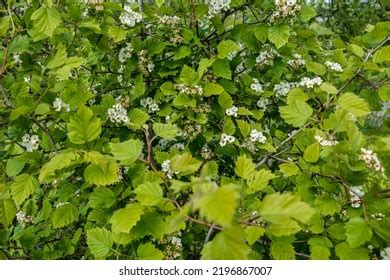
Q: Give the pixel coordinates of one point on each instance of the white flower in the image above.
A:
(283, 88)
(58, 104)
(232, 111)
(266, 57)
(30, 143)
(216, 6)
(385, 253)
(150, 104)
(297, 61)
(118, 114)
(325, 142)
(24, 219)
(166, 167)
(285, 8)
(16, 58)
(125, 53)
(257, 136)
(371, 159)
(262, 104)
(310, 83)
(225, 138)
(27, 79)
(256, 86)
(129, 17)
(169, 20)
(334, 66)
(59, 204)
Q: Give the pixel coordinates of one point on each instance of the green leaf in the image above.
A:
(116, 33)
(58, 59)
(182, 52)
(279, 34)
(100, 242)
(19, 44)
(225, 100)
(353, 104)
(45, 20)
(245, 168)
(102, 175)
(188, 76)
(221, 68)
(289, 169)
(253, 233)
(259, 181)
(357, 50)
(57, 162)
(286, 228)
(219, 206)
(357, 231)
(138, 117)
(124, 219)
(185, 164)
(90, 23)
(166, 131)
(14, 167)
(226, 47)
(345, 252)
(149, 194)
(316, 68)
(327, 205)
(126, 152)
(282, 248)
(159, 4)
(320, 248)
(64, 215)
(101, 197)
(204, 63)
(312, 152)
(7, 211)
(297, 113)
(212, 89)
(306, 13)
(83, 126)
(382, 55)
(228, 244)
(280, 207)
(23, 186)
(148, 251)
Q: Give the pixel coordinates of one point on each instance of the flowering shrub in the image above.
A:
(214, 130)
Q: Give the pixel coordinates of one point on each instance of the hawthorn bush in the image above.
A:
(186, 130)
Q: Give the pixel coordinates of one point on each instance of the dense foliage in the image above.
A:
(220, 130)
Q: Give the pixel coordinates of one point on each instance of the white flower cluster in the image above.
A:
(206, 152)
(266, 57)
(144, 64)
(226, 139)
(356, 194)
(326, 142)
(166, 167)
(262, 103)
(16, 58)
(232, 111)
(30, 143)
(118, 114)
(190, 90)
(283, 88)
(129, 17)
(173, 246)
(297, 61)
(285, 8)
(179, 146)
(334, 66)
(257, 136)
(24, 219)
(59, 104)
(385, 253)
(378, 216)
(371, 159)
(256, 86)
(169, 20)
(125, 53)
(150, 104)
(310, 83)
(216, 6)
